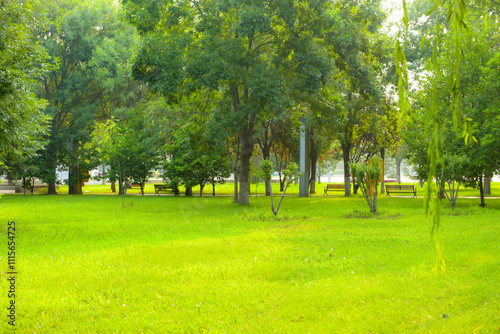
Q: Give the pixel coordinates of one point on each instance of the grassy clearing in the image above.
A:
(175, 265)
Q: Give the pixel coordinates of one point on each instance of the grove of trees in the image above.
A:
(198, 88)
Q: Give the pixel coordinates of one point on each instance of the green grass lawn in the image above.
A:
(168, 264)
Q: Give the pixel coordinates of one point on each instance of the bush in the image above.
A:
(367, 175)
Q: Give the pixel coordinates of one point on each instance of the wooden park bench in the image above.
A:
(134, 186)
(165, 187)
(333, 187)
(400, 189)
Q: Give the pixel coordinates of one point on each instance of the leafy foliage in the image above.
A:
(453, 172)
(22, 63)
(447, 66)
(197, 156)
(133, 154)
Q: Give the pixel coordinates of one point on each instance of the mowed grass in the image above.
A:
(169, 264)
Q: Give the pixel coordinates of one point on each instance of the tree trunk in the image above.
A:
(235, 174)
(122, 189)
(73, 180)
(314, 160)
(244, 197)
(481, 191)
(52, 187)
(374, 208)
(189, 191)
(265, 185)
(201, 189)
(441, 186)
(213, 189)
(246, 140)
(487, 184)
(398, 170)
(265, 143)
(312, 182)
(268, 188)
(282, 183)
(347, 174)
(113, 186)
(382, 156)
(234, 164)
(51, 179)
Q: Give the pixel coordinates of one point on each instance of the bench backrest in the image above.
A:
(400, 187)
(335, 186)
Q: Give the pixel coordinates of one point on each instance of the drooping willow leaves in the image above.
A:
(456, 12)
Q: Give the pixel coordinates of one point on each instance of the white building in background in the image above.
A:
(62, 176)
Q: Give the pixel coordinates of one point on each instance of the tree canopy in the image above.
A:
(92, 46)
(258, 54)
(23, 61)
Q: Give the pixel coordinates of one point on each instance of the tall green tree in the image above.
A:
(455, 12)
(92, 46)
(23, 62)
(257, 53)
(354, 93)
(197, 157)
(478, 136)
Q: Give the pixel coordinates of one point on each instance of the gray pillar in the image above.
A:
(304, 160)
(103, 172)
(487, 184)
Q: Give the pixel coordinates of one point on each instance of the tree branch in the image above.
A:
(265, 43)
(196, 47)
